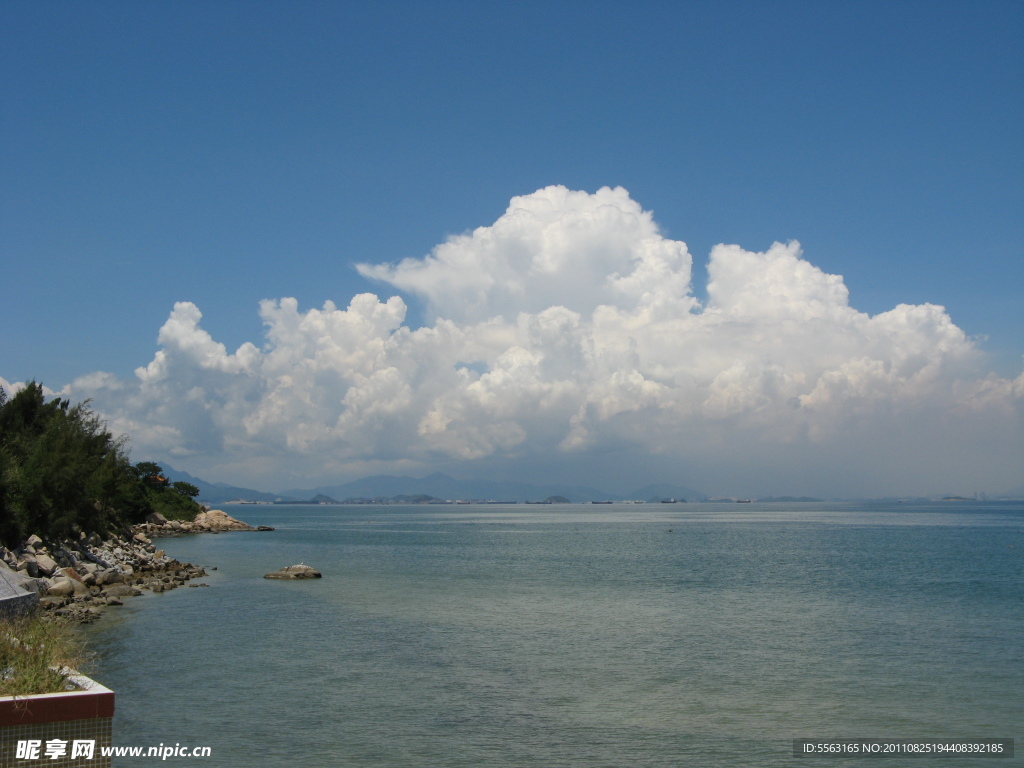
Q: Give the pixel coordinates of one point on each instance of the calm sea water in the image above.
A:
(621, 636)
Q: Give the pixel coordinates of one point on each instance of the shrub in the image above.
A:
(37, 654)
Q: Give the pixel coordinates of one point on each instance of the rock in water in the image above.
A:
(295, 572)
(218, 520)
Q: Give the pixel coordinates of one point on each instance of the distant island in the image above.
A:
(439, 488)
(788, 499)
(420, 498)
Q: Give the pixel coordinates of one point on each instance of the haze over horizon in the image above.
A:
(776, 252)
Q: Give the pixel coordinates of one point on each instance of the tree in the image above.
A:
(63, 472)
(185, 489)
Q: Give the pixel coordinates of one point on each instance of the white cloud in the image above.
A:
(555, 247)
(568, 328)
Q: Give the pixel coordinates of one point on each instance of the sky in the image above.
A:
(750, 247)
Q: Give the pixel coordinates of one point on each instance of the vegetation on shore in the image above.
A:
(63, 472)
(37, 654)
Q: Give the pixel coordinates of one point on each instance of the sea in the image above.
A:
(579, 636)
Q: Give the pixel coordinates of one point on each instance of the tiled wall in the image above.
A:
(56, 721)
(96, 729)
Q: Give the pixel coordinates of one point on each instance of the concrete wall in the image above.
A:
(16, 593)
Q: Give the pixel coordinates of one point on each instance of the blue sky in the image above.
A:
(226, 153)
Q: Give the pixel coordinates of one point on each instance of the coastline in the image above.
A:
(79, 580)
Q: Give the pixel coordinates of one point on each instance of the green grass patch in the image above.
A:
(37, 654)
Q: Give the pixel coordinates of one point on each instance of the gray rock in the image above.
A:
(300, 571)
(47, 565)
(62, 587)
(121, 590)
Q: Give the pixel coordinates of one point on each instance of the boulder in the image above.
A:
(218, 520)
(29, 564)
(300, 571)
(62, 588)
(46, 564)
(33, 541)
(155, 518)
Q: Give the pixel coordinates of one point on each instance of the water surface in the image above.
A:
(624, 636)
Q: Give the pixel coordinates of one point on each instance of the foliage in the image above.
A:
(62, 471)
(36, 651)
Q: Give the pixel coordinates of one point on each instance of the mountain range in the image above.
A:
(438, 485)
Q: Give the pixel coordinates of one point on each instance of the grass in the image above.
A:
(37, 653)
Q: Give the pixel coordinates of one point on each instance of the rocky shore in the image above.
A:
(79, 578)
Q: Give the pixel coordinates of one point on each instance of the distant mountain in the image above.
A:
(438, 485)
(217, 493)
(443, 486)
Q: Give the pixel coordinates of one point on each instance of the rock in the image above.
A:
(141, 538)
(62, 588)
(155, 518)
(31, 565)
(33, 541)
(121, 590)
(218, 520)
(295, 572)
(264, 528)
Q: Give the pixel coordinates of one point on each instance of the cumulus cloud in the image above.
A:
(569, 328)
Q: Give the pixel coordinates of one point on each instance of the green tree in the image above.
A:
(62, 471)
(185, 489)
